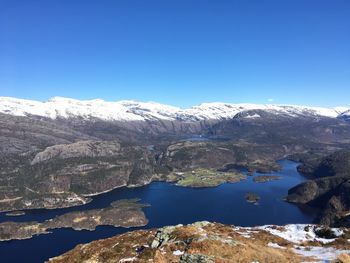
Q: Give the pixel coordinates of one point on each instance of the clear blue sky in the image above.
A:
(180, 52)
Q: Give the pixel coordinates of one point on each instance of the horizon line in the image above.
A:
(171, 105)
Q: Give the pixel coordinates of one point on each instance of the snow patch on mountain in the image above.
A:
(128, 110)
(59, 107)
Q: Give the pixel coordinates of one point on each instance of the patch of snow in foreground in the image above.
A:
(275, 245)
(178, 253)
(127, 259)
(245, 231)
(246, 235)
(324, 254)
(297, 233)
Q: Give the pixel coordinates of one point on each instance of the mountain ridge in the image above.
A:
(131, 110)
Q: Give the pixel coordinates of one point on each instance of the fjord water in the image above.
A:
(170, 205)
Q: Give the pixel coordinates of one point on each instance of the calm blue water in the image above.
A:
(170, 205)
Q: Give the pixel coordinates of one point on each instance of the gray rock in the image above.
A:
(162, 236)
(195, 258)
(78, 149)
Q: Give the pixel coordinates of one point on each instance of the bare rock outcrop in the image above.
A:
(78, 149)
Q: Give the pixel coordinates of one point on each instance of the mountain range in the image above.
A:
(128, 110)
(58, 153)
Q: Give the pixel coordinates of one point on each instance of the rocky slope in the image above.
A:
(211, 242)
(289, 130)
(223, 155)
(330, 188)
(65, 174)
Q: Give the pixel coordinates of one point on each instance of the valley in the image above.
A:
(225, 203)
(65, 162)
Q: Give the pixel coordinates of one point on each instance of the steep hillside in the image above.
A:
(211, 242)
(282, 129)
(329, 191)
(64, 174)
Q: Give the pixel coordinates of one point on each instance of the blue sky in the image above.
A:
(180, 52)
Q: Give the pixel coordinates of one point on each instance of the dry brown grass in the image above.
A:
(343, 258)
(222, 243)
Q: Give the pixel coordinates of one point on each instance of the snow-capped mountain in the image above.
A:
(59, 107)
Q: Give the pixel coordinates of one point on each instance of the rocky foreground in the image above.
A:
(212, 242)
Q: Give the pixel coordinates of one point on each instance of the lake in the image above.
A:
(170, 204)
